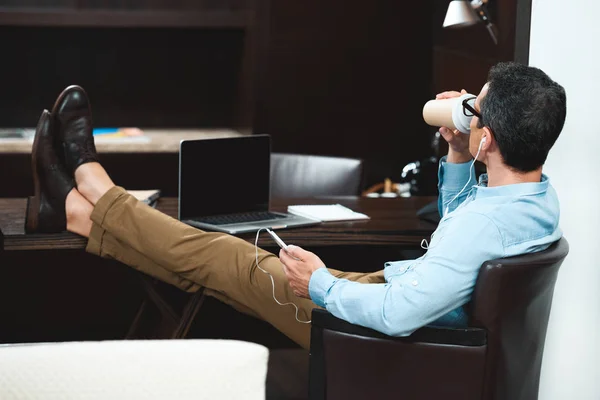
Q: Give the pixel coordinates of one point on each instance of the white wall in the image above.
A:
(565, 43)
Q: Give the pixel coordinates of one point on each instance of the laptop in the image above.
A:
(224, 185)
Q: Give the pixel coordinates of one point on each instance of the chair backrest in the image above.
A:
(301, 175)
(512, 301)
(134, 369)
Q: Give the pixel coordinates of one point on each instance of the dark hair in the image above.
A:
(526, 111)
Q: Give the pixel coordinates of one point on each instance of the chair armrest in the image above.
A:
(429, 334)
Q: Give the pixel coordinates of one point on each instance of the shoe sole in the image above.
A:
(33, 210)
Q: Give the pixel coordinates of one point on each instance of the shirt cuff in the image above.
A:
(454, 176)
(318, 286)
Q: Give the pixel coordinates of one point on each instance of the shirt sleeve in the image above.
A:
(452, 178)
(434, 285)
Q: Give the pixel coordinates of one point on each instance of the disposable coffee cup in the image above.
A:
(449, 113)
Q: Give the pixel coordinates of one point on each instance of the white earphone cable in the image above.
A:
(273, 281)
(471, 169)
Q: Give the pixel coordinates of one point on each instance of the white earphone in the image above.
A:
(483, 140)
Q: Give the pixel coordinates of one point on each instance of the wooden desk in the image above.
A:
(393, 223)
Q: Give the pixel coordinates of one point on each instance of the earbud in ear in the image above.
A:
(483, 139)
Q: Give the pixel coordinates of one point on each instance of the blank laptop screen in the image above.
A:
(224, 176)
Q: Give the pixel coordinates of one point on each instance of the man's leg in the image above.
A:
(362, 277)
(122, 228)
(148, 240)
(78, 212)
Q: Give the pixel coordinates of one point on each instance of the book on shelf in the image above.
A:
(120, 135)
(16, 134)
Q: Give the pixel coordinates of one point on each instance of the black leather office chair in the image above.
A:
(497, 358)
(301, 175)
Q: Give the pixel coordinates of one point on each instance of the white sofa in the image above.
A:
(134, 369)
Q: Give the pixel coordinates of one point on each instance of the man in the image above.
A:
(519, 114)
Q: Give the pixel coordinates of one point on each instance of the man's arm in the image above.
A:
(433, 286)
(452, 178)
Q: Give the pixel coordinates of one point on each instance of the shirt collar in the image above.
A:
(516, 189)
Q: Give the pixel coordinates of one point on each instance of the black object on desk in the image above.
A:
(430, 213)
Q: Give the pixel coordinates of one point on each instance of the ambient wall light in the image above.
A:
(463, 13)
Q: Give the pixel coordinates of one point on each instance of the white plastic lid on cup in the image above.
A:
(462, 121)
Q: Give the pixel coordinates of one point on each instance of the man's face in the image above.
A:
(477, 133)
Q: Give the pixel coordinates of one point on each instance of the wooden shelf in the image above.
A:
(125, 19)
(153, 141)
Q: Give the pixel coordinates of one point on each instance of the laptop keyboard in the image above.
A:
(240, 218)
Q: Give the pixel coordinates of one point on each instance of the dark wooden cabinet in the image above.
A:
(348, 78)
(331, 78)
(144, 63)
(132, 13)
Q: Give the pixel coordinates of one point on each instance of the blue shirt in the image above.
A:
(482, 223)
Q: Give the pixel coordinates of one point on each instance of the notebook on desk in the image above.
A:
(224, 185)
(327, 212)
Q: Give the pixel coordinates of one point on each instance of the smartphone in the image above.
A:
(277, 239)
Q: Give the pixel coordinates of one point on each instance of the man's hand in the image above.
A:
(458, 142)
(298, 265)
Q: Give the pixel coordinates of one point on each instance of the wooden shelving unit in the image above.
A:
(218, 19)
(205, 47)
(175, 68)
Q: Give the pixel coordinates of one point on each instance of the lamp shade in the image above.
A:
(460, 13)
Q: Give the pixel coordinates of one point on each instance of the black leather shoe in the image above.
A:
(73, 124)
(51, 183)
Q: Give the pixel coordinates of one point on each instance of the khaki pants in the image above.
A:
(135, 234)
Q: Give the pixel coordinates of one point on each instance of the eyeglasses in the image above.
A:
(468, 110)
